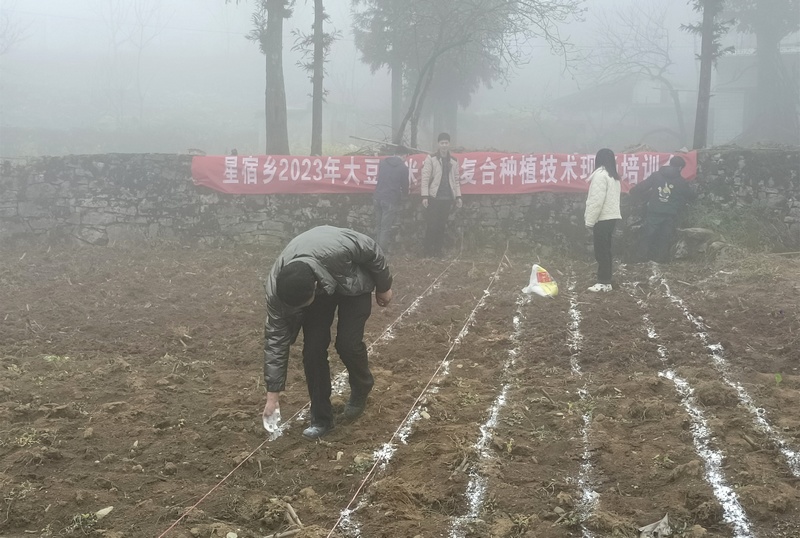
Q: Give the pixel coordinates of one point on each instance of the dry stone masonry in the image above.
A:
(103, 199)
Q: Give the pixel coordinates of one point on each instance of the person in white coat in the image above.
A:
(602, 214)
(440, 188)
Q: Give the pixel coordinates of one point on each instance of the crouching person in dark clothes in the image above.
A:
(666, 193)
(320, 272)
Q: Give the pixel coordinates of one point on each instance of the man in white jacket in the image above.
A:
(440, 186)
(602, 214)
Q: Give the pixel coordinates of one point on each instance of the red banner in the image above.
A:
(479, 172)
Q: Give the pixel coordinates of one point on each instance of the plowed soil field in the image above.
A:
(132, 378)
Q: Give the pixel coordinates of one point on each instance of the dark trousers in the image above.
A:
(601, 233)
(317, 321)
(656, 241)
(436, 216)
(385, 223)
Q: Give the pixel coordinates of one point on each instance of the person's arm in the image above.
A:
(277, 339)
(427, 171)
(369, 256)
(645, 185)
(404, 180)
(595, 198)
(366, 254)
(456, 184)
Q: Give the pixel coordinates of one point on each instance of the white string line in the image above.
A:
(732, 511)
(717, 353)
(299, 414)
(589, 498)
(385, 453)
(478, 482)
(387, 334)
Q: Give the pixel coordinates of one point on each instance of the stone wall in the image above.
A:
(102, 199)
(769, 178)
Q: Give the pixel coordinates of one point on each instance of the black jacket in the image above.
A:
(392, 180)
(343, 261)
(666, 191)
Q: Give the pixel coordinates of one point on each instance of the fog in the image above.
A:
(89, 76)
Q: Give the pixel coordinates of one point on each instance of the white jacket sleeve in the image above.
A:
(427, 174)
(596, 198)
(456, 178)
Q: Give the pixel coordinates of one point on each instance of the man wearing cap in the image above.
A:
(440, 188)
(322, 272)
(666, 193)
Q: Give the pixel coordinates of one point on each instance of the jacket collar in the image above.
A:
(326, 281)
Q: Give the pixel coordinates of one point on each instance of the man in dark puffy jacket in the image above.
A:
(319, 272)
(667, 193)
(392, 185)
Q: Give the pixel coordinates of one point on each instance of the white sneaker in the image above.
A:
(600, 287)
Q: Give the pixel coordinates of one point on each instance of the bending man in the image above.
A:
(320, 272)
(667, 193)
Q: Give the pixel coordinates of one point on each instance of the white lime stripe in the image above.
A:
(476, 487)
(717, 354)
(589, 497)
(732, 510)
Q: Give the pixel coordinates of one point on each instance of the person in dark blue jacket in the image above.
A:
(391, 187)
(666, 193)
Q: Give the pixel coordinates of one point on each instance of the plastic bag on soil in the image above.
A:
(541, 283)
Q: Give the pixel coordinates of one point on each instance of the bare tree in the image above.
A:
(315, 48)
(497, 29)
(710, 29)
(268, 33)
(494, 31)
(12, 31)
(381, 30)
(633, 40)
(131, 26)
(148, 23)
(775, 103)
(116, 18)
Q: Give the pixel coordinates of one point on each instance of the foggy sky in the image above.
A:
(61, 73)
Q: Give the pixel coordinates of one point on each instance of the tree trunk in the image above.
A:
(706, 64)
(412, 105)
(277, 130)
(317, 78)
(422, 85)
(776, 96)
(418, 109)
(397, 91)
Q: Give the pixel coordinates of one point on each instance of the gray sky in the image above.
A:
(64, 74)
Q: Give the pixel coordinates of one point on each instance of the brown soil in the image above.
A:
(132, 378)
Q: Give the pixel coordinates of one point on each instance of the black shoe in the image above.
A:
(353, 410)
(315, 431)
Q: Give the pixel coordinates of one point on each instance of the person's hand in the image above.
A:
(459, 203)
(273, 403)
(383, 299)
(424, 202)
